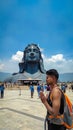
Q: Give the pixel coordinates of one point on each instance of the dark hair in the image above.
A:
(53, 72)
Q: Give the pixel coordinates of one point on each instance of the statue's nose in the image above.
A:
(32, 54)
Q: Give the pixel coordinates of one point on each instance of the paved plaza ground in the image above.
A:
(22, 112)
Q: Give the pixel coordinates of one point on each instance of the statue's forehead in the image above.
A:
(32, 47)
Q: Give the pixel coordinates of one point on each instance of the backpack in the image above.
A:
(68, 103)
(67, 118)
(67, 112)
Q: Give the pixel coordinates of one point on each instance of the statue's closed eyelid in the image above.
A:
(35, 50)
(29, 50)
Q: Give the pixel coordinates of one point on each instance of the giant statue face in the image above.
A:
(32, 53)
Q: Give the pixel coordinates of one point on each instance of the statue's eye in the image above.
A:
(35, 50)
(29, 50)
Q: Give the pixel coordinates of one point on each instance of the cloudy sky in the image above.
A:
(48, 23)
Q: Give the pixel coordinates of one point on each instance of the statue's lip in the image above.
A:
(32, 56)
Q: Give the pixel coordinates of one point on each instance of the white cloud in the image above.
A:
(58, 62)
(18, 56)
(54, 58)
(9, 66)
(1, 66)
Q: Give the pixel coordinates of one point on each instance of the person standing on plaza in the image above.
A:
(2, 90)
(19, 90)
(38, 89)
(55, 103)
(63, 87)
(32, 90)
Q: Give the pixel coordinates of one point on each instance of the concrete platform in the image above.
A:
(22, 112)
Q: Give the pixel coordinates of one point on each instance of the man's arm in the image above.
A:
(56, 98)
(56, 101)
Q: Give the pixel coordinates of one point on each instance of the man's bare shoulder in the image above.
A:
(56, 92)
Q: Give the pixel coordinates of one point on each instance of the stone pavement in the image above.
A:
(22, 112)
